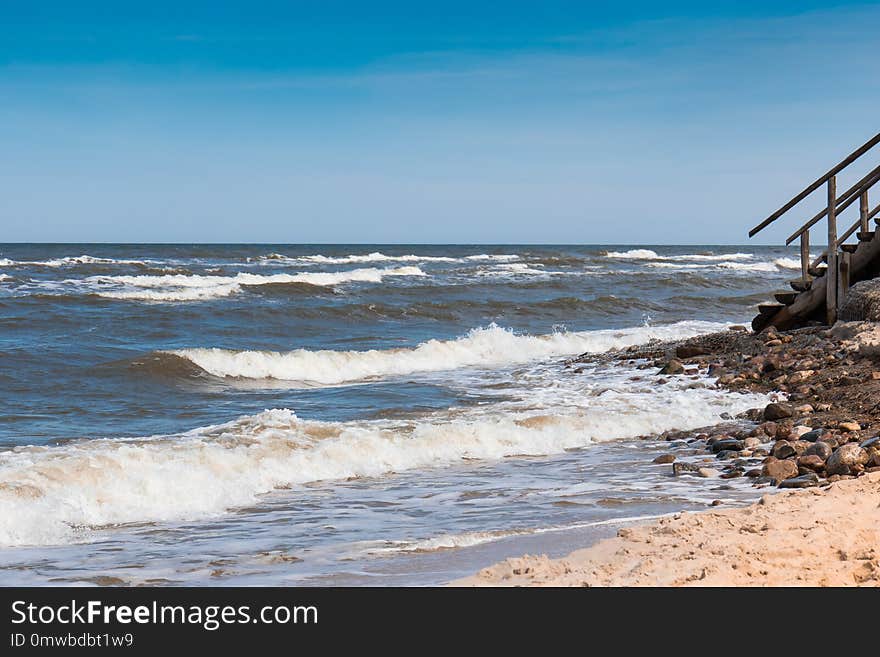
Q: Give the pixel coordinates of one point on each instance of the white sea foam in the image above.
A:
(789, 263)
(501, 257)
(718, 256)
(194, 287)
(374, 257)
(471, 539)
(488, 347)
(5, 277)
(648, 254)
(69, 260)
(733, 266)
(634, 254)
(59, 494)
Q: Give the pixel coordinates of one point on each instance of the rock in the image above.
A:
(783, 449)
(803, 409)
(870, 443)
(811, 462)
(776, 411)
(812, 436)
(751, 442)
(802, 375)
(737, 327)
(681, 467)
(803, 481)
(799, 431)
(664, 458)
(820, 449)
(769, 428)
(674, 366)
(849, 426)
(690, 351)
(754, 472)
(773, 343)
(847, 459)
(872, 448)
(849, 381)
(727, 444)
(780, 470)
(708, 472)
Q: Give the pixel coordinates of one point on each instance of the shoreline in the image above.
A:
(820, 435)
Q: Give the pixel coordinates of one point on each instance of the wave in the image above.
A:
(634, 254)
(733, 266)
(70, 260)
(377, 256)
(472, 539)
(790, 263)
(648, 254)
(374, 257)
(199, 287)
(51, 495)
(501, 257)
(5, 277)
(491, 346)
(719, 256)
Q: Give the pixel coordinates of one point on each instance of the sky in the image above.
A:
(404, 122)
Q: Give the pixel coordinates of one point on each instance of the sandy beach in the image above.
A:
(819, 439)
(815, 537)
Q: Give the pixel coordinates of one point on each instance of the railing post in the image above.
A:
(805, 256)
(832, 271)
(843, 278)
(863, 211)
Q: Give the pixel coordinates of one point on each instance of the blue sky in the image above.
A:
(554, 122)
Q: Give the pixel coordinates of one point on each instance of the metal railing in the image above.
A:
(838, 272)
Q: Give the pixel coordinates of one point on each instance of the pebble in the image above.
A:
(727, 444)
(849, 426)
(803, 481)
(674, 366)
(811, 461)
(776, 411)
(847, 459)
(664, 458)
(820, 449)
(780, 470)
(783, 449)
(708, 472)
(751, 442)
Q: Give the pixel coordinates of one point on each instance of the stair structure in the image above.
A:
(821, 290)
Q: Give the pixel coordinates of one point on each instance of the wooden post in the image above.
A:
(863, 212)
(805, 256)
(832, 271)
(843, 280)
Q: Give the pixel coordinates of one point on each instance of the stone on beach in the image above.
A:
(674, 366)
(847, 459)
(780, 470)
(776, 411)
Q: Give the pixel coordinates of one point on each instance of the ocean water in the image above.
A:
(315, 414)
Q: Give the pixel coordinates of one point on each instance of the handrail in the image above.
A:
(843, 238)
(852, 157)
(845, 200)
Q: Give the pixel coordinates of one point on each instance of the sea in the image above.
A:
(345, 414)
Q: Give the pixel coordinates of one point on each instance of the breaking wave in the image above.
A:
(200, 287)
(51, 495)
(491, 346)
